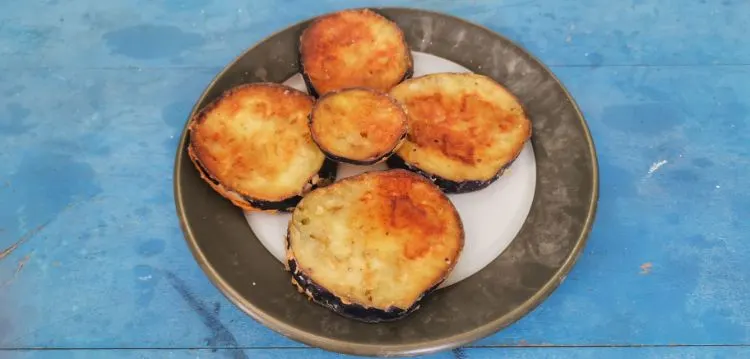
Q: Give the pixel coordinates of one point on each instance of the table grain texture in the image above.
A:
(94, 95)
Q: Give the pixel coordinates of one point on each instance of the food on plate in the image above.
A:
(253, 146)
(372, 246)
(358, 125)
(353, 48)
(464, 130)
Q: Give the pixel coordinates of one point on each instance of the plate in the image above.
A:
(487, 234)
(524, 232)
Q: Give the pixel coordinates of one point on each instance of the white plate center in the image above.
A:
(492, 216)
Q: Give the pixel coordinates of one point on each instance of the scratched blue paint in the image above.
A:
(182, 5)
(95, 95)
(115, 246)
(41, 187)
(151, 247)
(151, 41)
(13, 91)
(677, 217)
(648, 119)
(13, 119)
(471, 353)
(175, 114)
(590, 32)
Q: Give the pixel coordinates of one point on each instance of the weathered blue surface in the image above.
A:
(468, 353)
(93, 95)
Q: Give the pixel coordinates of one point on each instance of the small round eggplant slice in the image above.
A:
(464, 130)
(353, 48)
(253, 146)
(372, 246)
(358, 126)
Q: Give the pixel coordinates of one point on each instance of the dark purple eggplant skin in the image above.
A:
(327, 175)
(314, 93)
(333, 157)
(308, 83)
(446, 185)
(353, 311)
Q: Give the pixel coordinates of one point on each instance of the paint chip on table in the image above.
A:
(646, 268)
(656, 165)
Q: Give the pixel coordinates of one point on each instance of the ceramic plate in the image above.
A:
(523, 233)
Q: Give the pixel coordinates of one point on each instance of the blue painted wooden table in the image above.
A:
(93, 96)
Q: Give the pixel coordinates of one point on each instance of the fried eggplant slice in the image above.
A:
(464, 130)
(358, 126)
(253, 146)
(353, 48)
(372, 247)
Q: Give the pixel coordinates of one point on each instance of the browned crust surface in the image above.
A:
(254, 141)
(378, 239)
(228, 194)
(358, 124)
(354, 48)
(462, 126)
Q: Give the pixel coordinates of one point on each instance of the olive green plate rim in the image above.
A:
(346, 347)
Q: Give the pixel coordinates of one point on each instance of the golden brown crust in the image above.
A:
(253, 141)
(380, 239)
(462, 126)
(354, 48)
(233, 197)
(407, 204)
(357, 124)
